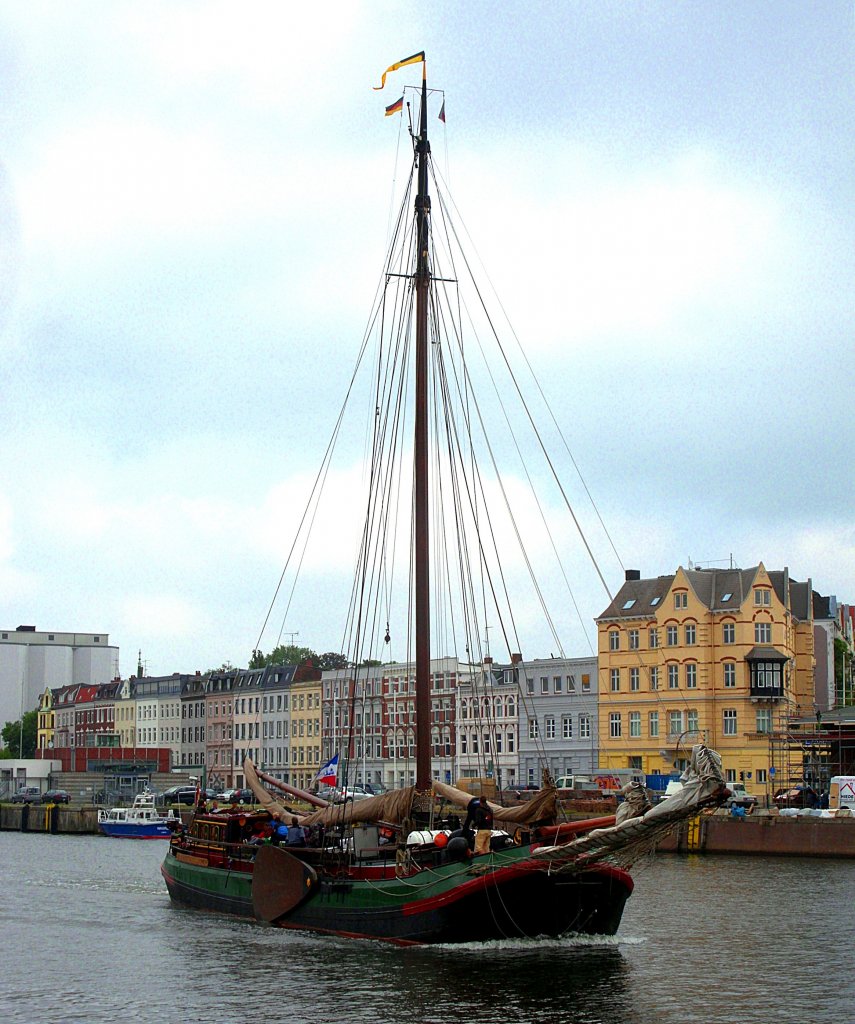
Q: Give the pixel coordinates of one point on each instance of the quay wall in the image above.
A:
(765, 835)
(55, 818)
(48, 818)
(758, 834)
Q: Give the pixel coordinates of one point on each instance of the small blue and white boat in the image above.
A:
(142, 820)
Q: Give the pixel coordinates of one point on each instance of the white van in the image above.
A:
(842, 793)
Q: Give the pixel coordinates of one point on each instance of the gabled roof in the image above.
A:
(643, 597)
(717, 589)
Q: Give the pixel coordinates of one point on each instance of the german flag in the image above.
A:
(416, 58)
(395, 108)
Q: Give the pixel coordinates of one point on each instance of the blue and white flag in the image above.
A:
(329, 773)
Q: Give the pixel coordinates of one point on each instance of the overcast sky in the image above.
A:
(194, 201)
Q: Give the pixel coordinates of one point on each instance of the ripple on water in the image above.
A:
(97, 912)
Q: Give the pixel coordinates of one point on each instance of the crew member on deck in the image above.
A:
(482, 818)
(296, 834)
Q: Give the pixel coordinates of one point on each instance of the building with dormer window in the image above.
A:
(720, 655)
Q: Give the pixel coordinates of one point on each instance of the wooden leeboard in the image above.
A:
(280, 882)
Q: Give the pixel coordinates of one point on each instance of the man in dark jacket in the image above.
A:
(483, 821)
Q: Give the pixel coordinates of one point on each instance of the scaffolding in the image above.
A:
(811, 751)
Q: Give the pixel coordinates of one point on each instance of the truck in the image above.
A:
(607, 780)
(580, 782)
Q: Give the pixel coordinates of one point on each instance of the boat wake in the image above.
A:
(535, 945)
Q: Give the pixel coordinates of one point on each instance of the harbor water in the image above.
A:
(90, 935)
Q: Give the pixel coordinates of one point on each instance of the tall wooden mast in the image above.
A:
(421, 468)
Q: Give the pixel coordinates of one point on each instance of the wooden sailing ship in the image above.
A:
(541, 876)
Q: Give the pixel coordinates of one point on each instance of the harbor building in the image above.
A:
(219, 755)
(725, 656)
(558, 718)
(32, 660)
(306, 690)
(276, 721)
(193, 731)
(488, 738)
(369, 720)
(362, 746)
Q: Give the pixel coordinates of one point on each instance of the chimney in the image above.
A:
(632, 575)
(488, 660)
(516, 659)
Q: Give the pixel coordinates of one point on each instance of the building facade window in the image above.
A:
(634, 679)
(584, 727)
(614, 725)
(691, 634)
(653, 637)
(691, 676)
(673, 677)
(729, 719)
(614, 679)
(566, 727)
(762, 632)
(654, 677)
(633, 639)
(671, 636)
(730, 674)
(764, 720)
(762, 597)
(614, 640)
(635, 723)
(692, 720)
(653, 724)
(549, 722)
(681, 599)
(544, 684)
(729, 632)
(533, 732)
(675, 723)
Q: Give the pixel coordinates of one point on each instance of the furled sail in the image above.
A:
(541, 808)
(393, 807)
(633, 837)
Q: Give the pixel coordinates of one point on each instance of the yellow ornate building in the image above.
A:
(45, 721)
(719, 655)
(305, 731)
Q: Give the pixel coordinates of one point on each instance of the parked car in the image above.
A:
(56, 796)
(27, 795)
(798, 796)
(338, 794)
(359, 789)
(179, 795)
(236, 796)
(354, 792)
(740, 797)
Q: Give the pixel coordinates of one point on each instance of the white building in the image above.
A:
(158, 712)
(26, 772)
(31, 660)
(488, 724)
